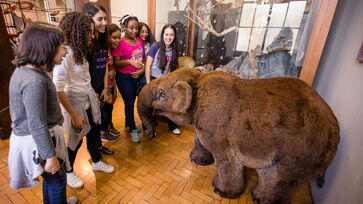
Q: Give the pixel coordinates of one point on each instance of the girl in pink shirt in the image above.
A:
(128, 61)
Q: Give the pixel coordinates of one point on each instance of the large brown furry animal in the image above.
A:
(279, 126)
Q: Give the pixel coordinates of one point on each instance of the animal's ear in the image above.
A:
(182, 97)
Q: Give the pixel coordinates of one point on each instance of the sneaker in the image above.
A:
(73, 181)
(105, 150)
(113, 131)
(107, 137)
(72, 200)
(176, 131)
(127, 129)
(135, 136)
(102, 166)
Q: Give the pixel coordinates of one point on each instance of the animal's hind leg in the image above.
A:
(275, 186)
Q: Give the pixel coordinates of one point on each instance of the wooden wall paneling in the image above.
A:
(317, 41)
(151, 15)
(191, 30)
(6, 69)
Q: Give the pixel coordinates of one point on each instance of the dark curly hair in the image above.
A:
(77, 27)
(39, 45)
(150, 38)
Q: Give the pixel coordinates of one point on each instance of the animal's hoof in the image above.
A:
(226, 194)
(201, 159)
(151, 135)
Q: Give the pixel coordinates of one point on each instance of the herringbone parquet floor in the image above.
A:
(154, 171)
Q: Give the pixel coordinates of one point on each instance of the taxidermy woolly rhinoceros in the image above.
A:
(279, 126)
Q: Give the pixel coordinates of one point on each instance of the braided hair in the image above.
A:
(77, 27)
(126, 19)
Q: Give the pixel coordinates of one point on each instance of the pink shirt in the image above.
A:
(127, 51)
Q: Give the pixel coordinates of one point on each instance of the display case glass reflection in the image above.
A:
(248, 38)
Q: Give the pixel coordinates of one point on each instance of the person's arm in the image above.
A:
(149, 61)
(121, 63)
(104, 95)
(138, 73)
(151, 54)
(35, 101)
(61, 76)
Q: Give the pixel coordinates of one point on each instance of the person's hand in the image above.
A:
(52, 165)
(136, 63)
(104, 94)
(111, 73)
(137, 74)
(77, 122)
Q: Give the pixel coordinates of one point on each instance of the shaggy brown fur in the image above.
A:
(186, 62)
(279, 126)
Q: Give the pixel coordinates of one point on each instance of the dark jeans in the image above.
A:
(106, 116)
(127, 87)
(54, 187)
(92, 142)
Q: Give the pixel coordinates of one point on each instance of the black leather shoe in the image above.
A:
(105, 150)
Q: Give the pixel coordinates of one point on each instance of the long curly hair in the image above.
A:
(77, 27)
(174, 47)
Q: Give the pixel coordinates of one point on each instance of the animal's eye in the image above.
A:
(162, 94)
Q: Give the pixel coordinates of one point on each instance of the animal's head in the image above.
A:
(171, 96)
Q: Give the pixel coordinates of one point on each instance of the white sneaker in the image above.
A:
(72, 200)
(176, 131)
(73, 181)
(102, 166)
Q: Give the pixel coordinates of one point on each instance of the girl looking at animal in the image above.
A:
(128, 57)
(79, 100)
(146, 36)
(37, 145)
(97, 60)
(162, 58)
(114, 38)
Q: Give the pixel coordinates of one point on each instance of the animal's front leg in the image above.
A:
(200, 155)
(229, 181)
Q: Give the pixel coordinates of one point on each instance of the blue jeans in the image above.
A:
(127, 87)
(54, 187)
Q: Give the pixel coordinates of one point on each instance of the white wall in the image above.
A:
(339, 80)
(136, 8)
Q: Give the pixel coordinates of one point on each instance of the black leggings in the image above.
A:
(92, 143)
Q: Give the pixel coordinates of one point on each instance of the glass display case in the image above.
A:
(248, 38)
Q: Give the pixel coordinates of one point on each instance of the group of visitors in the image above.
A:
(78, 65)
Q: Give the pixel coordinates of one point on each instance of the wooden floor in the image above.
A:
(153, 171)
